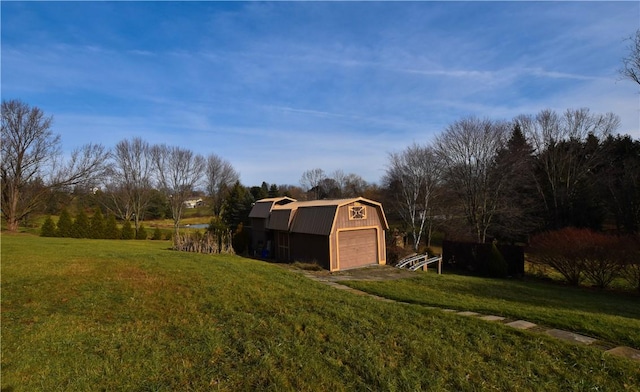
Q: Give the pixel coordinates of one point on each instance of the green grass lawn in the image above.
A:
(80, 315)
(610, 316)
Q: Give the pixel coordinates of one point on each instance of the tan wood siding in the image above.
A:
(343, 221)
(357, 248)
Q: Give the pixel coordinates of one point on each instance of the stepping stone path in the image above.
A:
(521, 324)
(621, 351)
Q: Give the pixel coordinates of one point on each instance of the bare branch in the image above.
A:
(31, 156)
(631, 63)
(179, 172)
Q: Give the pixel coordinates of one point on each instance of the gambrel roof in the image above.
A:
(312, 217)
(262, 208)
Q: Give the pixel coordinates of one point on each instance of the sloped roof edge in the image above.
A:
(262, 208)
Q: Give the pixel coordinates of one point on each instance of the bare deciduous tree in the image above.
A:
(292, 191)
(179, 171)
(631, 63)
(220, 177)
(413, 177)
(32, 164)
(132, 176)
(350, 185)
(467, 149)
(312, 180)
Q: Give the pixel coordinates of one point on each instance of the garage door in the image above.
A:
(357, 248)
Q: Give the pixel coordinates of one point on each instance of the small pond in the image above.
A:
(196, 226)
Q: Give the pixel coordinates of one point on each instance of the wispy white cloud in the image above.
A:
(278, 88)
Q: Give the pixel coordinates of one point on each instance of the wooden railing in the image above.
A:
(414, 263)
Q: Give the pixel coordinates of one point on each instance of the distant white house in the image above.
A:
(193, 203)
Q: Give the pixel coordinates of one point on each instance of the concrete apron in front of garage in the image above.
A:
(572, 337)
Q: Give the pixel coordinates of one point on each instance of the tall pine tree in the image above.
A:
(237, 206)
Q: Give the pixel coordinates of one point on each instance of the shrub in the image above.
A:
(97, 225)
(630, 260)
(65, 224)
(220, 231)
(48, 228)
(602, 263)
(157, 234)
(240, 240)
(396, 253)
(557, 249)
(579, 253)
(495, 260)
(81, 226)
(111, 230)
(127, 232)
(142, 233)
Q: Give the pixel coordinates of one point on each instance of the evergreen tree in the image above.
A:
(48, 228)
(65, 224)
(111, 230)
(240, 240)
(158, 207)
(157, 234)
(274, 191)
(260, 192)
(97, 224)
(81, 227)
(142, 233)
(127, 232)
(237, 206)
(619, 182)
(520, 210)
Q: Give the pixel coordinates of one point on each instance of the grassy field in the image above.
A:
(81, 315)
(610, 316)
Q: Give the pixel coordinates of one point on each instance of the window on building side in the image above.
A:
(357, 212)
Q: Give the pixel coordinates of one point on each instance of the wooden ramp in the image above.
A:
(414, 263)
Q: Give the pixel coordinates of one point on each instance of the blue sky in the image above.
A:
(278, 88)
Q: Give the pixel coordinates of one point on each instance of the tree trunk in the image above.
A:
(12, 224)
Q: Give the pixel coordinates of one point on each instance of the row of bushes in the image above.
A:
(584, 255)
(96, 226)
(494, 260)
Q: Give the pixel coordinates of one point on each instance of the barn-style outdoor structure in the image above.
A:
(337, 234)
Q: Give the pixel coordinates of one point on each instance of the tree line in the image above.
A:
(490, 179)
(479, 179)
(126, 180)
(96, 227)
